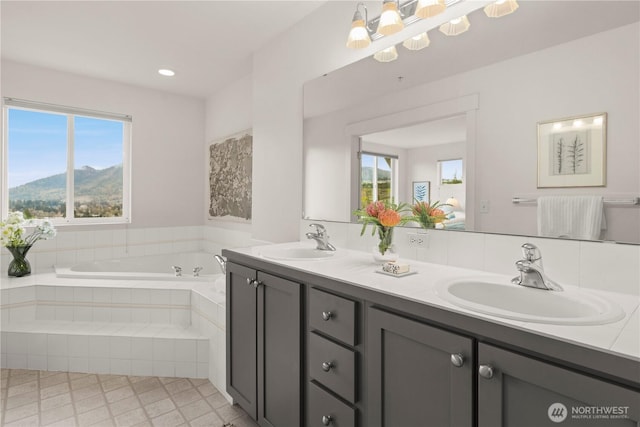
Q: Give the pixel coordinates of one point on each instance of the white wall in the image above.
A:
(168, 130)
(423, 166)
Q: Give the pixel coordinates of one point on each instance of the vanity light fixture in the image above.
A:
(456, 26)
(390, 19)
(386, 55)
(429, 8)
(359, 36)
(166, 72)
(417, 42)
(501, 8)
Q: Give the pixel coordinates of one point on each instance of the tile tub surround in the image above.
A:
(590, 265)
(358, 268)
(113, 327)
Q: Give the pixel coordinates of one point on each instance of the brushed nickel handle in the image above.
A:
(256, 283)
(249, 281)
(326, 315)
(326, 420)
(486, 371)
(327, 366)
(457, 360)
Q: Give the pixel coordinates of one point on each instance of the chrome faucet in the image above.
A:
(321, 237)
(177, 270)
(222, 261)
(531, 271)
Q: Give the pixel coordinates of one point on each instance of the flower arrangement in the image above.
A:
(13, 236)
(383, 215)
(428, 215)
(13, 230)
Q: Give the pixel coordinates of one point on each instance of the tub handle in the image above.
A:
(177, 270)
(196, 271)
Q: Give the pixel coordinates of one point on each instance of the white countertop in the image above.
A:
(358, 269)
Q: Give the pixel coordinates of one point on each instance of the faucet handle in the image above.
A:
(319, 228)
(531, 252)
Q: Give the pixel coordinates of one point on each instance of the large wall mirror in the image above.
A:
(459, 118)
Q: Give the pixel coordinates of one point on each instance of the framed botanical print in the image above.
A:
(572, 151)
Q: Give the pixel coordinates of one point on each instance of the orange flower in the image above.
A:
(389, 218)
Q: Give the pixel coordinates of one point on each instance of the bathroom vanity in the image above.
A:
(330, 342)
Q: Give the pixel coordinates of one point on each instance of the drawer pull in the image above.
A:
(486, 371)
(327, 420)
(326, 315)
(326, 366)
(249, 281)
(457, 360)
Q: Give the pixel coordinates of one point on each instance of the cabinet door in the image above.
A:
(279, 352)
(241, 337)
(411, 380)
(518, 391)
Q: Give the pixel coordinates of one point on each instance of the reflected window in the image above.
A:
(377, 172)
(450, 171)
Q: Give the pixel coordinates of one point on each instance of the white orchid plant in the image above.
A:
(13, 230)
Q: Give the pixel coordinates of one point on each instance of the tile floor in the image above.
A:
(41, 398)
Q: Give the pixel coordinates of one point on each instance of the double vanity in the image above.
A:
(322, 338)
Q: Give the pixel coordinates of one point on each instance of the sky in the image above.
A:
(37, 144)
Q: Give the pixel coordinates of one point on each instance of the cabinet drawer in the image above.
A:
(326, 410)
(333, 366)
(333, 315)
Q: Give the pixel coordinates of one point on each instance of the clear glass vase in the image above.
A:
(385, 250)
(19, 265)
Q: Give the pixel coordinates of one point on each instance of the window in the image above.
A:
(377, 172)
(67, 164)
(450, 171)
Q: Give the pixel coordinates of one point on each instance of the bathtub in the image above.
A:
(151, 267)
(144, 307)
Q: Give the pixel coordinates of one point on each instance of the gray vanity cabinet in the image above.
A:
(264, 345)
(518, 391)
(417, 375)
(242, 338)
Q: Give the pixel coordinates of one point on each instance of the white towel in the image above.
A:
(572, 217)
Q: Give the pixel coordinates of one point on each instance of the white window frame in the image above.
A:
(394, 174)
(70, 113)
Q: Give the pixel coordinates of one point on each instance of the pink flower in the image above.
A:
(374, 208)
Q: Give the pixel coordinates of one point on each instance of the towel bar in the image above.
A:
(629, 201)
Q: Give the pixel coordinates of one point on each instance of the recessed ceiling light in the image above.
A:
(166, 72)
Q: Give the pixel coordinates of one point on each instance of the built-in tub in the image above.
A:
(144, 321)
(151, 267)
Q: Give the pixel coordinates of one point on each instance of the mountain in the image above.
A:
(104, 185)
(367, 174)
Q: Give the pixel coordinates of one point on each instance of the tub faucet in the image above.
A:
(177, 270)
(196, 271)
(321, 237)
(531, 271)
(222, 262)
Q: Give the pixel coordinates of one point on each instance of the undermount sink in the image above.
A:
(296, 254)
(503, 299)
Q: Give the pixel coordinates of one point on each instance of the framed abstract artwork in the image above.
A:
(230, 177)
